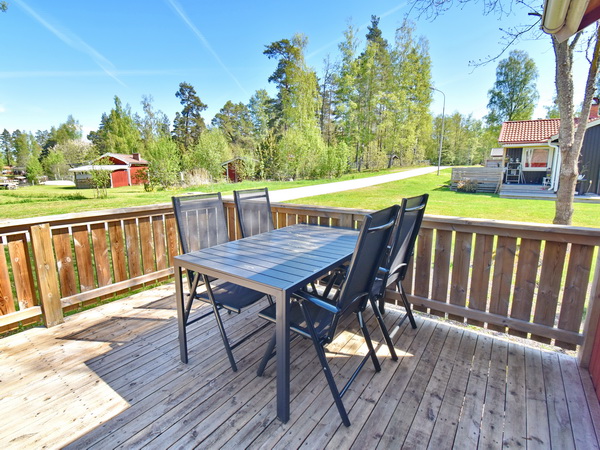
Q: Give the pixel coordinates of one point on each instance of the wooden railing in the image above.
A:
(528, 280)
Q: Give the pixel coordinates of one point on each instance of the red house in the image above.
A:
(125, 170)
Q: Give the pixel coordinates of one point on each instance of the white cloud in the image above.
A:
(2, 109)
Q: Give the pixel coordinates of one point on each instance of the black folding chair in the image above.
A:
(317, 318)
(201, 223)
(254, 211)
(397, 261)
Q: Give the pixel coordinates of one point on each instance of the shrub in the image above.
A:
(467, 185)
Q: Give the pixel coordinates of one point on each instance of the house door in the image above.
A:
(514, 154)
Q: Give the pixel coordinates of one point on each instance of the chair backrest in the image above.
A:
(404, 236)
(370, 249)
(254, 211)
(201, 221)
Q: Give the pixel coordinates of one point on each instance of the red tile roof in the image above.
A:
(528, 131)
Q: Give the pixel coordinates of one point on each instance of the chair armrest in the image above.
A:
(317, 301)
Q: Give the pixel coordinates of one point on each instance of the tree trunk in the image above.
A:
(570, 138)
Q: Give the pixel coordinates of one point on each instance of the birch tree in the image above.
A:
(571, 135)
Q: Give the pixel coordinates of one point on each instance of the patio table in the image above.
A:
(276, 263)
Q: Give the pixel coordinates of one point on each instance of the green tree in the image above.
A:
(514, 94)
(76, 152)
(382, 96)
(261, 113)
(153, 125)
(34, 170)
(117, 132)
(208, 154)
(189, 124)
(163, 158)
(22, 147)
(235, 121)
(54, 164)
(300, 144)
(67, 131)
(7, 147)
(100, 178)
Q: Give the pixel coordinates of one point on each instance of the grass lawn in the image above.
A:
(35, 201)
(444, 202)
(46, 200)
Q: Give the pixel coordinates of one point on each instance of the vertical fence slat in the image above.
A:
(441, 268)
(292, 219)
(346, 221)
(47, 276)
(64, 261)
(23, 276)
(117, 250)
(146, 244)
(172, 243)
(231, 222)
(281, 219)
(525, 282)
(576, 286)
(101, 256)
(480, 278)
(132, 243)
(423, 265)
(460, 271)
(160, 249)
(504, 263)
(83, 256)
(7, 301)
(549, 288)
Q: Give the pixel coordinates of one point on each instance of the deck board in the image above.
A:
(111, 378)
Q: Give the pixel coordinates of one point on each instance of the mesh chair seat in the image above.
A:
(322, 318)
(232, 297)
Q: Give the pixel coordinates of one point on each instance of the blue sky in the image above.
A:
(72, 57)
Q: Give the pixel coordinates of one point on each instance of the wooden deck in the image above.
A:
(111, 377)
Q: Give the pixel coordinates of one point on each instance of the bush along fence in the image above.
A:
(529, 280)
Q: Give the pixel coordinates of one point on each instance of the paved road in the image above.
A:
(329, 188)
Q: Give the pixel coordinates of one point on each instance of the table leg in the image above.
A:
(180, 314)
(282, 331)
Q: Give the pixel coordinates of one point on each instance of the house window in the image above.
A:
(536, 157)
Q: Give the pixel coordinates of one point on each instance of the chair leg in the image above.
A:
(268, 354)
(407, 306)
(384, 331)
(326, 370)
(224, 337)
(381, 304)
(367, 337)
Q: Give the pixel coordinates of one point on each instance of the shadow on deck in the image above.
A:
(111, 377)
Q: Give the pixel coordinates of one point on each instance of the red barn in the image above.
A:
(126, 170)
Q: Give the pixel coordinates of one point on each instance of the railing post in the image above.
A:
(592, 320)
(47, 275)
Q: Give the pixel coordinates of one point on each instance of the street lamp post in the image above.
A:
(442, 133)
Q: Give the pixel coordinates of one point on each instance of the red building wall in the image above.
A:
(120, 178)
(134, 171)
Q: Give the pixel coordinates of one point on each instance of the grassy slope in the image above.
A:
(444, 202)
(35, 201)
(47, 200)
